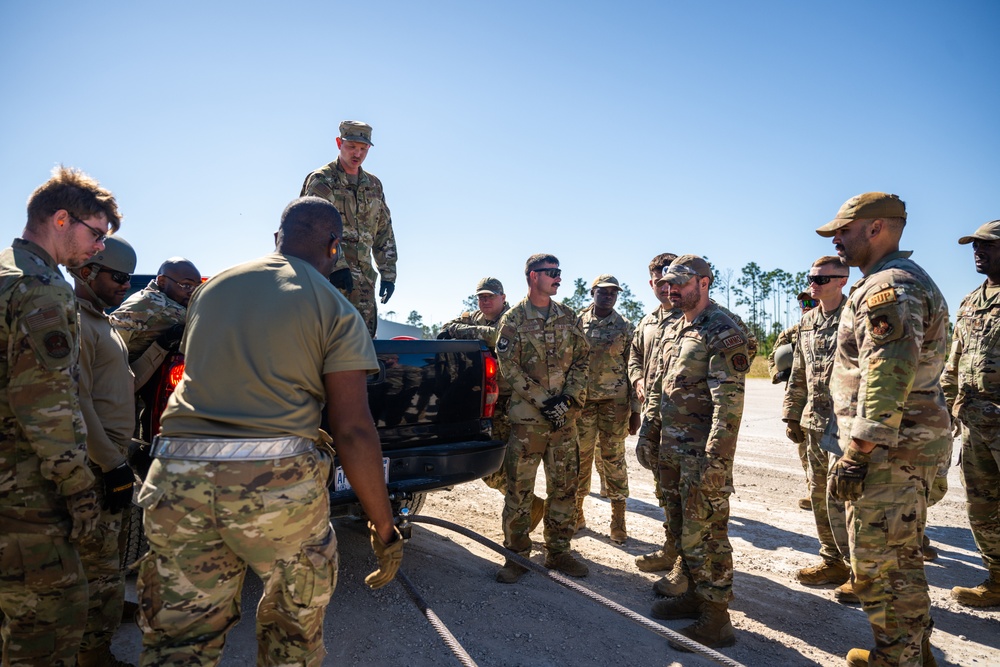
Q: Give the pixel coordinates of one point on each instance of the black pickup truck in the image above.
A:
(432, 402)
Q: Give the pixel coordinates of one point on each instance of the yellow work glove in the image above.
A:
(389, 557)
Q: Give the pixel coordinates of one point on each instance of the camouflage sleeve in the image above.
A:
(100, 449)
(654, 393)
(42, 390)
(891, 334)
(315, 186)
(752, 344)
(797, 390)
(483, 332)
(508, 355)
(384, 244)
(634, 404)
(949, 379)
(577, 375)
(146, 365)
(726, 384)
(635, 357)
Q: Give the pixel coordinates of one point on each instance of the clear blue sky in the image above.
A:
(604, 133)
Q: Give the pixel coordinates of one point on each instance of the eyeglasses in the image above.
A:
(99, 236)
(119, 277)
(551, 273)
(822, 280)
(186, 286)
(807, 303)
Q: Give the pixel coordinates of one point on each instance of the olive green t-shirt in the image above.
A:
(259, 338)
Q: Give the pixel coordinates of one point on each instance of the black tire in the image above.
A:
(134, 545)
(415, 503)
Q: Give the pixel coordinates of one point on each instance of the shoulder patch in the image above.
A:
(735, 340)
(740, 362)
(881, 298)
(56, 344)
(43, 319)
(503, 344)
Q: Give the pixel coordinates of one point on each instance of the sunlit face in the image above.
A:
(853, 242)
(109, 290)
(838, 279)
(179, 282)
(987, 257)
(491, 304)
(352, 155)
(686, 296)
(83, 239)
(660, 291)
(545, 283)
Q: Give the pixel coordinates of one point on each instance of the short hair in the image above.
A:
(537, 260)
(306, 225)
(661, 260)
(829, 260)
(73, 191)
(896, 224)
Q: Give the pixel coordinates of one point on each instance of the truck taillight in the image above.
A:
(175, 375)
(491, 389)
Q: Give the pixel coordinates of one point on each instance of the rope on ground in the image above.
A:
(449, 639)
(653, 626)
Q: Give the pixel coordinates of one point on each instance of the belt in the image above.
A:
(242, 449)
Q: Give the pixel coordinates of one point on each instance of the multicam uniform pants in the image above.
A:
(206, 521)
(829, 513)
(981, 474)
(602, 426)
(501, 431)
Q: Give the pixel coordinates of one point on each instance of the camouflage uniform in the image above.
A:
(541, 358)
(971, 384)
(43, 460)
(475, 326)
(886, 389)
(603, 421)
(367, 231)
(699, 395)
(807, 401)
(108, 405)
(144, 316)
(788, 336)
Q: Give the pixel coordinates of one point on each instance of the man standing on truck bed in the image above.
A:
(359, 197)
(48, 501)
(543, 355)
(237, 479)
(108, 404)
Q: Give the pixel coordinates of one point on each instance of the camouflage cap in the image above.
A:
(684, 268)
(355, 130)
(988, 232)
(868, 206)
(605, 280)
(489, 285)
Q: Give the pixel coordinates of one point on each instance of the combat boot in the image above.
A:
(712, 629)
(986, 594)
(537, 512)
(676, 582)
(805, 504)
(618, 532)
(929, 552)
(510, 572)
(684, 606)
(567, 564)
(661, 559)
(581, 522)
(844, 594)
(827, 572)
(100, 657)
(859, 657)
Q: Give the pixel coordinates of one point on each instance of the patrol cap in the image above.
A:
(355, 130)
(605, 280)
(684, 268)
(868, 206)
(117, 255)
(988, 232)
(489, 285)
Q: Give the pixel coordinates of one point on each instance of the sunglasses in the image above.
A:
(822, 280)
(807, 303)
(119, 277)
(551, 273)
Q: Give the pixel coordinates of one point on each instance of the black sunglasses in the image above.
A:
(119, 277)
(822, 280)
(551, 273)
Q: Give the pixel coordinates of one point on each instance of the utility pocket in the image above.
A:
(313, 575)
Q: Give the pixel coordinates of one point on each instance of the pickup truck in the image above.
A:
(432, 402)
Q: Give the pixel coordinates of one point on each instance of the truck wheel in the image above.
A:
(133, 542)
(413, 504)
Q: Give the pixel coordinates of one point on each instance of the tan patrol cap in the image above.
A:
(605, 280)
(988, 232)
(684, 268)
(355, 130)
(489, 285)
(869, 206)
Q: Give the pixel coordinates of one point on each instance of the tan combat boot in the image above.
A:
(510, 572)
(100, 657)
(986, 594)
(567, 564)
(684, 606)
(844, 594)
(618, 532)
(858, 657)
(676, 582)
(537, 512)
(581, 521)
(827, 572)
(661, 559)
(712, 629)
(805, 504)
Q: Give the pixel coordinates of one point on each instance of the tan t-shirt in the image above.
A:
(259, 338)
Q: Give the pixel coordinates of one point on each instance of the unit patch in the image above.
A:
(881, 298)
(733, 341)
(740, 362)
(56, 344)
(881, 328)
(503, 344)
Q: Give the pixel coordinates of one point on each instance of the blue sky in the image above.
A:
(604, 133)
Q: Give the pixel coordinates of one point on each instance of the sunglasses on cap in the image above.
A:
(807, 303)
(822, 280)
(551, 273)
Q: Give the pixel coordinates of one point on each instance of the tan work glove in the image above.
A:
(84, 510)
(847, 476)
(389, 557)
(794, 432)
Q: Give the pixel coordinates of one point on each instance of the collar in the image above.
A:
(37, 250)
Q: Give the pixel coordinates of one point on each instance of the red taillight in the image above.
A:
(491, 390)
(175, 375)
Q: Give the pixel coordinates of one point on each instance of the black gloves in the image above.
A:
(555, 410)
(118, 485)
(171, 338)
(342, 280)
(385, 290)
